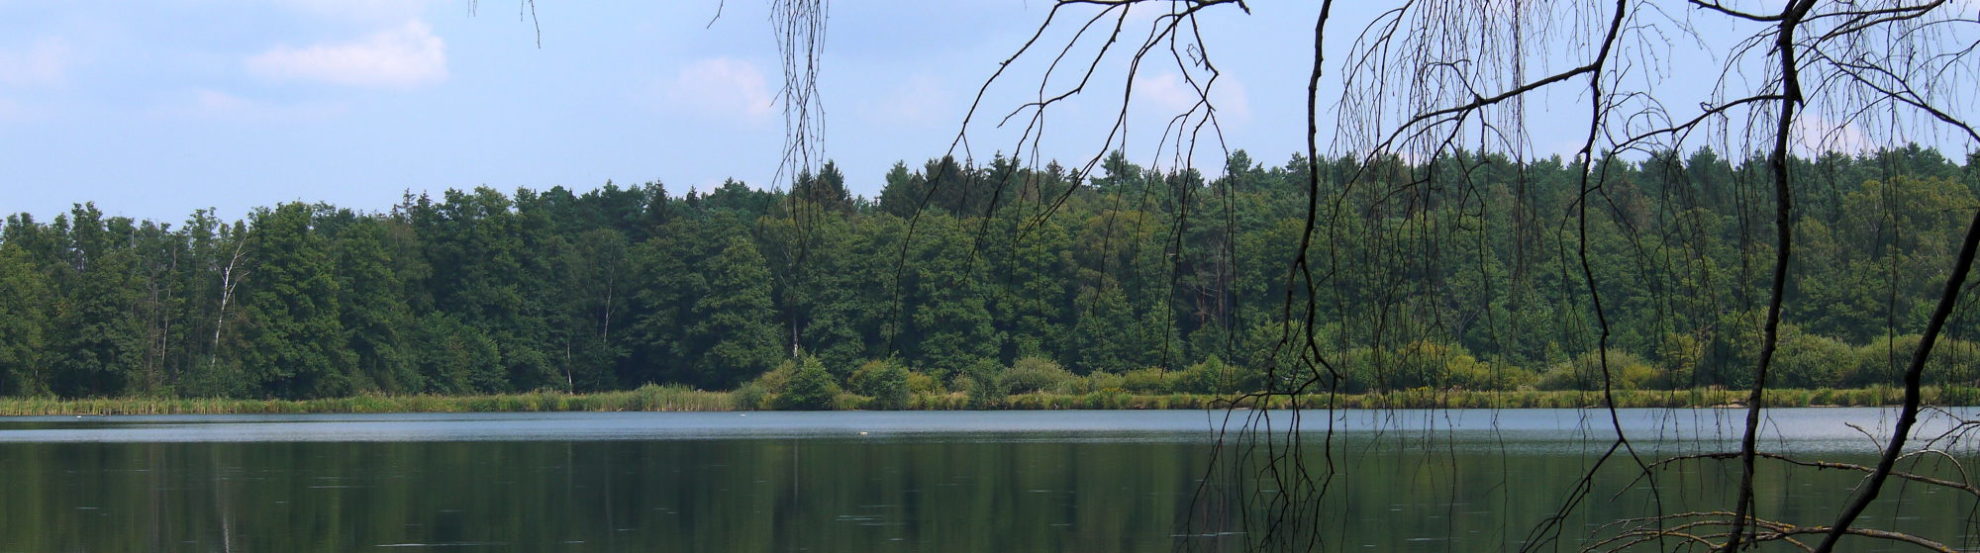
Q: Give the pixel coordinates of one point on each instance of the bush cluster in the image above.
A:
(1803, 361)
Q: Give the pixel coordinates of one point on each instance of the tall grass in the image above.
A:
(1426, 398)
(644, 398)
(681, 398)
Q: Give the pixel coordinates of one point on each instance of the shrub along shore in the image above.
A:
(680, 399)
(1447, 274)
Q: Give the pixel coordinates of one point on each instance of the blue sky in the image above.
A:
(153, 109)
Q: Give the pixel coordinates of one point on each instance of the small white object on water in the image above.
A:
(862, 432)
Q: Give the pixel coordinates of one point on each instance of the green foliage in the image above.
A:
(731, 336)
(1032, 375)
(294, 344)
(455, 358)
(1805, 360)
(1102, 382)
(681, 398)
(923, 384)
(23, 323)
(1464, 372)
(751, 395)
(1680, 355)
(811, 387)
(1883, 362)
(978, 382)
(98, 346)
(1140, 282)
(1213, 376)
(885, 381)
(374, 311)
(1150, 380)
(1357, 368)
(1625, 371)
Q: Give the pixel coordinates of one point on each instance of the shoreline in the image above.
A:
(678, 399)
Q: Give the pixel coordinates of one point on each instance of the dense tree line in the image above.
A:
(1460, 272)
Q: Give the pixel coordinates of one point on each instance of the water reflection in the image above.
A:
(809, 482)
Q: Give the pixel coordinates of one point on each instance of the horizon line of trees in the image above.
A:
(1460, 272)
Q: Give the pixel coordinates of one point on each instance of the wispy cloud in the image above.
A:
(918, 100)
(402, 57)
(214, 104)
(1168, 93)
(722, 88)
(1815, 135)
(44, 63)
(361, 10)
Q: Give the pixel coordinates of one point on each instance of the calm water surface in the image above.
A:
(879, 481)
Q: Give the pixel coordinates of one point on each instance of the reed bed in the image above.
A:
(680, 398)
(645, 398)
(1459, 399)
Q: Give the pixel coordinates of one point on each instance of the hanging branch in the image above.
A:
(1777, 162)
(1908, 415)
(1425, 74)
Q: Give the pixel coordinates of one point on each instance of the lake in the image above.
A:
(1088, 481)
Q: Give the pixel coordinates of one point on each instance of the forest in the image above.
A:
(1464, 272)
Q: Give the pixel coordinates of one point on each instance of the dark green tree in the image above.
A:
(373, 310)
(23, 323)
(811, 387)
(293, 342)
(731, 333)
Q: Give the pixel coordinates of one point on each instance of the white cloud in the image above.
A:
(46, 62)
(722, 88)
(1172, 96)
(1232, 100)
(1166, 91)
(405, 56)
(919, 100)
(1814, 134)
(214, 104)
(1142, 14)
(362, 10)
